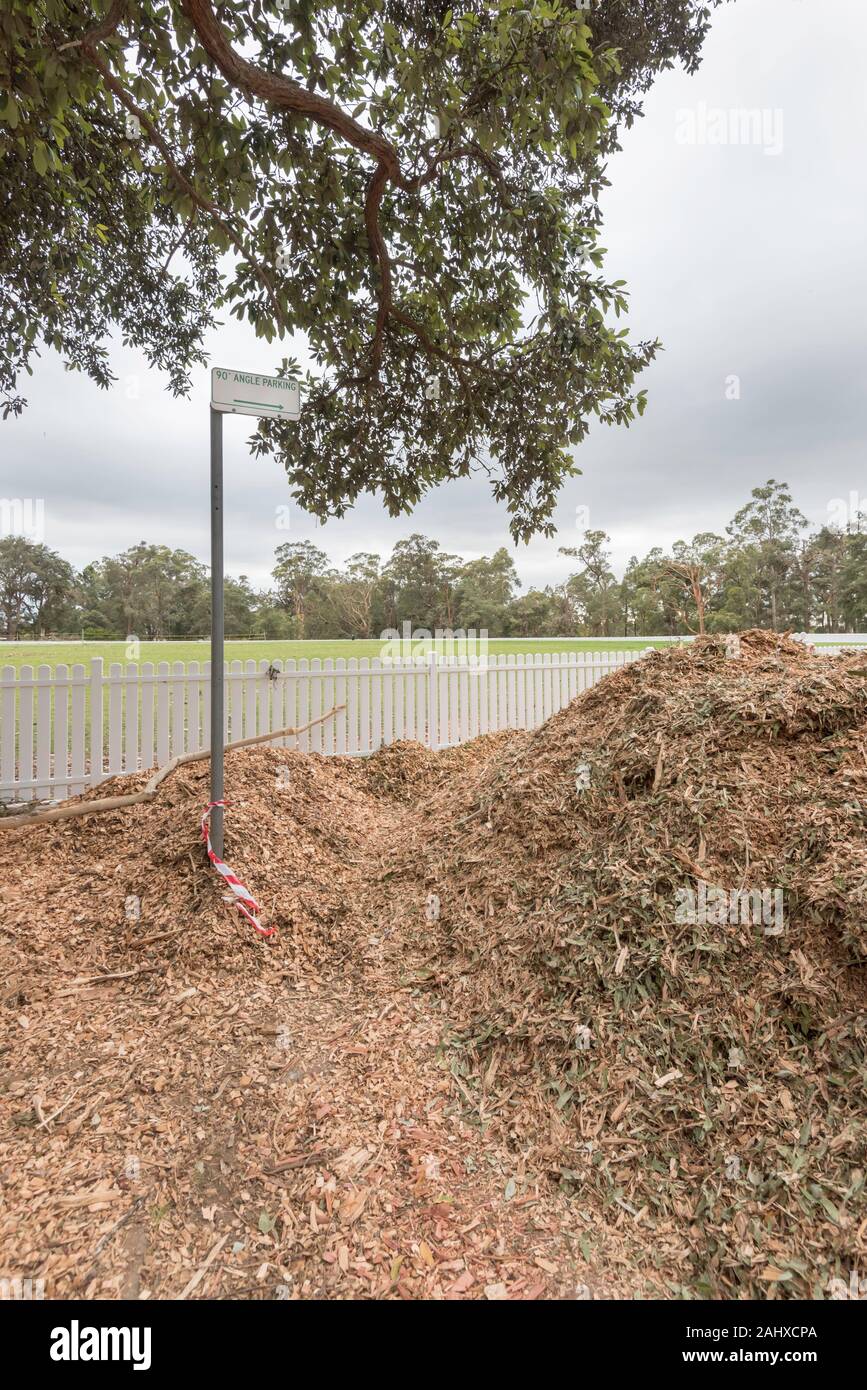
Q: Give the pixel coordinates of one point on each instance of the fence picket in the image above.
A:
(529, 692)
(364, 739)
(316, 704)
(77, 739)
(432, 701)
(147, 714)
(303, 711)
(387, 703)
(131, 717)
(206, 704)
(406, 686)
(162, 689)
(285, 690)
(25, 732)
(60, 768)
(326, 730)
(194, 702)
(96, 721)
(352, 693)
(9, 688)
(115, 719)
(235, 702)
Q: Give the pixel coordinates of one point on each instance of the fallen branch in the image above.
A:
(54, 1114)
(114, 803)
(111, 1233)
(116, 975)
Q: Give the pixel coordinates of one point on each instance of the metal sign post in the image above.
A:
(217, 674)
(232, 393)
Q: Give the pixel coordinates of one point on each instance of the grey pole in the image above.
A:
(217, 629)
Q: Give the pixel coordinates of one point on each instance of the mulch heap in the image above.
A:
(189, 1110)
(702, 1078)
(510, 1039)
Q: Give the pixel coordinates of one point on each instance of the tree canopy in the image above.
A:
(410, 185)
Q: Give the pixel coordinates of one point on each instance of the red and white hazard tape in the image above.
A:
(242, 894)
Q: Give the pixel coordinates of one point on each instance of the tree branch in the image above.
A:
(379, 252)
(285, 94)
(100, 31)
(282, 92)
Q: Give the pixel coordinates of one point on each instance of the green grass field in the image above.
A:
(52, 654)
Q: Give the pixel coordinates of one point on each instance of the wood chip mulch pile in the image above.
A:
(487, 1053)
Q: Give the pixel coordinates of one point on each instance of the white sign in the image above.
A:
(250, 393)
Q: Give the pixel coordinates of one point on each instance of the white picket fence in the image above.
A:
(65, 729)
(833, 643)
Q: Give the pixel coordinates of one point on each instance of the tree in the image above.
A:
(33, 581)
(592, 593)
(535, 614)
(854, 581)
(149, 590)
(240, 610)
(422, 584)
(486, 589)
(299, 571)
(771, 524)
(411, 185)
(352, 594)
(696, 570)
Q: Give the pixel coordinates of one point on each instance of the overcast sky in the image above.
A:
(746, 259)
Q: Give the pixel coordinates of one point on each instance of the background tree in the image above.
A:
(150, 591)
(298, 573)
(410, 185)
(640, 596)
(593, 592)
(854, 582)
(421, 584)
(771, 524)
(353, 594)
(241, 609)
(820, 579)
(486, 589)
(534, 614)
(697, 571)
(35, 585)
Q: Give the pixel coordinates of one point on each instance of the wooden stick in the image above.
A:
(60, 1109)
(117, 975)
(114, 803)
(203, 1268)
